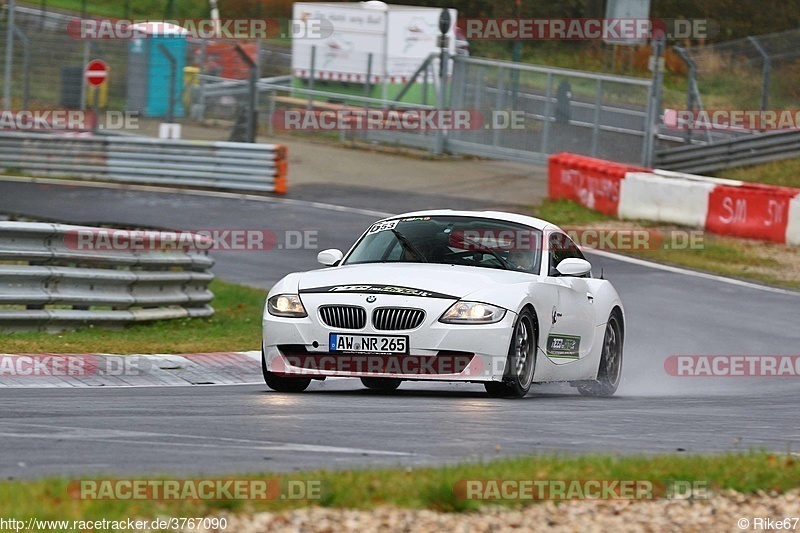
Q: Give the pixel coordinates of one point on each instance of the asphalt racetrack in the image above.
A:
(339, 424)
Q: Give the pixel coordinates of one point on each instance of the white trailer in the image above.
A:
(399, 39)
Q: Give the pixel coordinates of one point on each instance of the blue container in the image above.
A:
(149, 69)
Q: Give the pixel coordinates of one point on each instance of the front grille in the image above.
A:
(397, 318)
(343, 316)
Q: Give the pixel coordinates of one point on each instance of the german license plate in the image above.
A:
(378, 344)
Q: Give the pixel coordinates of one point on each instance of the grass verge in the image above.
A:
(235, 326)
(424, 488)
(782, 173)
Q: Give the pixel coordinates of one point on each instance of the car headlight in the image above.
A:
(472, 313)
(286, 305)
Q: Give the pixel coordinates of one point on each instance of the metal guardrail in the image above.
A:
(47, 282)
(742, 151)
(145, 160)
(215, 86)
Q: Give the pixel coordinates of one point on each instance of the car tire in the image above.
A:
(381, 384)
(521, 362)
(609, 372)
(280, 383)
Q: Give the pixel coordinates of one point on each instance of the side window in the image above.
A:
(561, 247)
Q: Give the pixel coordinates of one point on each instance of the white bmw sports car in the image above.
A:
(496, 298)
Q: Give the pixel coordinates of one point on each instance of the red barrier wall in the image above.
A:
(592, 182)
(753, 211)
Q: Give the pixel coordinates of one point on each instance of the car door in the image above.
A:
(573, 319)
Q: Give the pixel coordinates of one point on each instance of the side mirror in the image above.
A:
(330, 257)
(574, 267)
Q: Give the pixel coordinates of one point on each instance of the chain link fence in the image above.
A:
(558, 110)
(47, 68)
(758, 72)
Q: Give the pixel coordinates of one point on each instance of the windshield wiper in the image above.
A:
(408, 245)
(481, 248)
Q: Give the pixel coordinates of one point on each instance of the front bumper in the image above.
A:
(437, 351)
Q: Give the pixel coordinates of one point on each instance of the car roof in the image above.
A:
(533, 222)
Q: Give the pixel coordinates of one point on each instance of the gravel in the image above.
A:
(721, 512)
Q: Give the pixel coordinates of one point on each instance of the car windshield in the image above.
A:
(452, 240)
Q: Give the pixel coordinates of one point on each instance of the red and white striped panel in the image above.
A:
(349, 77)
(335, 76)
(726, 207)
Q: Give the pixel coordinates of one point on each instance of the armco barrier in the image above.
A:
(592, 182)
(49, 283)
(146, 160)
(727, 207)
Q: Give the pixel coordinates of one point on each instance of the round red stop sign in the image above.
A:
(96, 72)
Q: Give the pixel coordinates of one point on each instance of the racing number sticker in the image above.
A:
(382, 226)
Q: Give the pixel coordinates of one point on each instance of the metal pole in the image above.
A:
(425, 85)
(9, 56)
(765, 72)
(270, 128)
(653, 107)
(498, 101)
(367, 86)
(546, 129)
(83, 78)
(202, 97)
(26, 65)
(311, 75)
(251, 89)
(173, 66)
(441, 103)
(598, 102)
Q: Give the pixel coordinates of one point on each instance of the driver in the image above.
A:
(520, 260)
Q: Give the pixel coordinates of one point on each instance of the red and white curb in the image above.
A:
(726, 207)
(135, 370)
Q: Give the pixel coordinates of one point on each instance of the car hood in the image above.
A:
(408, 279)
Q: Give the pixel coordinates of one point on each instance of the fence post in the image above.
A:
(311, 76)
(766, 71)
(499, 102)
(26, 65)
(598, 102)
(367, 86)
(653, 106)
(9, 55)
(251, 93)
(546, 128)
(86, 45)
(441, 104)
